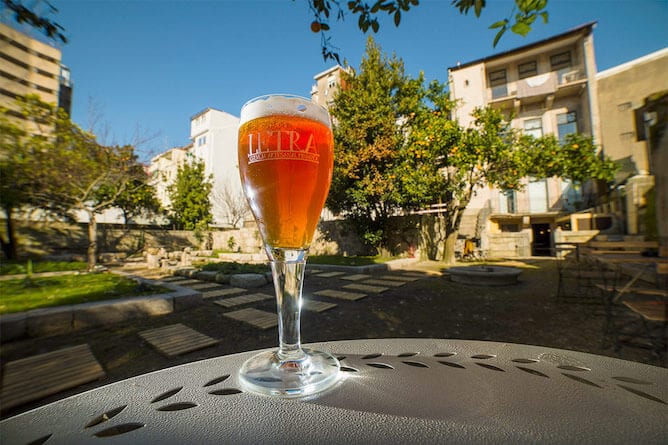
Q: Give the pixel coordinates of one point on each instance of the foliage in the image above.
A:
(20, 267)
(189, 194)
(56, 166)
(68, 289)
(519, 21)
(138, 199)
(371, 115)
(29, 15)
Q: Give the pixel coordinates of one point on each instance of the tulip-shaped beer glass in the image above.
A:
(285, 163)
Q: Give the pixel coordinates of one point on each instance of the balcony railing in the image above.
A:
(539, 85)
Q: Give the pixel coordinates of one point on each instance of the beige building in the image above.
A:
(163, 169)
(326, 85)
(548, 87)
(27, 66)
(621, 91)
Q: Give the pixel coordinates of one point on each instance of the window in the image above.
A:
(507, 201)
(497, 80)
(561, 60)
(566, 124)
(527, 69)
(534, 127)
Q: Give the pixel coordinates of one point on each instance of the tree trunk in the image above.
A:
(449, 251)
(9, 248)
(92, 242)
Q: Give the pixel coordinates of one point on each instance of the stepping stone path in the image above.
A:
(356, 277)
(35, 377)
(330, 274)
(351, 296)
(177, 339)
(255, 317)
(399, 278)
(366, 288)
(390, 283)
(243, 299)
(185, 282)
(203, 285)
(222, 292)
(172, 278)
(316, 306)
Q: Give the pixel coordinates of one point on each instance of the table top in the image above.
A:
(391, 391)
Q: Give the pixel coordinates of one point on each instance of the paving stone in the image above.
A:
(185, 282)
(247, 280)
(356, 277)
(366, 288)
(172, 279)
(384, 283)
(405, 279)
(255, 317)
(243, 299)
(39, 376)
(222, 292)
(330, 274)
(94, 314)
(317, 306)
(200, 286)
(177, 339)
(352, 296)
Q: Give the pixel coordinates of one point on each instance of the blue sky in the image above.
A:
(149, 65)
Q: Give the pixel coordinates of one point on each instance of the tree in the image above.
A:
(234, 202)
(62, 169)
(189, 195)
(520, 19)
(371, 116)
(138, 199)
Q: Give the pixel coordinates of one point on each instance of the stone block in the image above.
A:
(222, 278)
(247, 280)
(47, 322)
(96, 314)
(206, 275)
(12, 327)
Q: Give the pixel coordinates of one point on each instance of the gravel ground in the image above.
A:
(431, 307)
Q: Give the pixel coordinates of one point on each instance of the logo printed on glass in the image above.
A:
(282, 144)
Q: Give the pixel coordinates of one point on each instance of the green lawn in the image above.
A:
(233, 267)
(20, 295)
(19, 267)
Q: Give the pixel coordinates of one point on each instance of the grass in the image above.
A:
(338, 260)
(22, 295)
(20, 267)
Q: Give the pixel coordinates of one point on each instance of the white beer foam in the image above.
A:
(285, 105)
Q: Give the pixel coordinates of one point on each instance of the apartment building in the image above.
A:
(327, 84)
(548, 87)
(213, 136)
(622, 90)
(163, 169)
(30, 66)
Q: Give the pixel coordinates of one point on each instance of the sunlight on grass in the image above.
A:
(20, 267)
(22, 295)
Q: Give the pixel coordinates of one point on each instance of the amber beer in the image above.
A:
(285, 162)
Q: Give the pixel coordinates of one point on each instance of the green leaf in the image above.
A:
(397, 18)
(521, 28)
(499, 35)
(375, 25)
(498, 24)
(544, 16)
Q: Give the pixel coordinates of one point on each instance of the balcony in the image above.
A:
(539, 88)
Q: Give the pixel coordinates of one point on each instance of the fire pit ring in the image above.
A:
(485, 275)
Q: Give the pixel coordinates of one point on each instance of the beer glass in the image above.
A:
(285, 161)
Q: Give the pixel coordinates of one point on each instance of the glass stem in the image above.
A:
(288, 266)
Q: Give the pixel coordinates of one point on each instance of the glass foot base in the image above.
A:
(266, 374)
